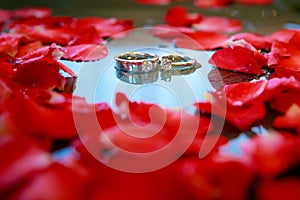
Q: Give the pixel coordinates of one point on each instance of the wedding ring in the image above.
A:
(177, 62)
(137, 78)
(137, 62)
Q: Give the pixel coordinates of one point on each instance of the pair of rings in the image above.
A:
(150, 77)
(138, 62)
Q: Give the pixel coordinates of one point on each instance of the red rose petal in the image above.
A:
(256, 40)
(244, 103)
(106, 28)
(50, 22)
(55, 182)
(29, 48)
(277, 189)
(84, 52)
(208, 179)
(141, 142)
(5, 15)
(276, 86)
(62, 123)
(170, 32)
(245, 117)
(178, 16)
(153, 2)
(212, 3)
(272, 154)
(290, 120)
(238, 59)
(46, 35)
(283, 101)
(218, 24)
(39, 69)
(281, 73)
(285, 56)
(86, 36)
(295, 40)
(39, 74)
(256, 2)
(86, 22)
(242, 117)
(38, 12)
(48, 54)
(201, 40)
(6, 69)
(284, 35)
(20, 159)
(245, 93)
(10, 43)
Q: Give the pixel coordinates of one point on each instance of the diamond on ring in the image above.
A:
(177, 62)
(165, 65)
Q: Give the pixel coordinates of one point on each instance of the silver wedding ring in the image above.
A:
(137, 62)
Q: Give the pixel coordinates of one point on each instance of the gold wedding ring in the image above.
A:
(177, 62)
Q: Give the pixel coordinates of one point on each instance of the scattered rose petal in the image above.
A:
(153, 2)
(38, 12)
(281, 72)
(285, 56)
(106, 28)
(212, 3)
(256, 2)
(10, 43)
(238, 59)
(244, 94)
(54, 182)
(256, 40)
(290, 120)
(178, 16)
(5, 15)
(29, 48)
(277, 189)
(272, 154)
(87, 36)
(201, 40)
(284, 35)
(218, 24)
(84, 52)
(6, 69)
(46, 35)
(20, 163)
(169, 33)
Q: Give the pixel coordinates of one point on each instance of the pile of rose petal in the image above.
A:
(237, 51)
(27, 30)
(208, 3)
(196, 31)
(43, 156)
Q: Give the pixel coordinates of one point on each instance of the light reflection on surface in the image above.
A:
(97, 81)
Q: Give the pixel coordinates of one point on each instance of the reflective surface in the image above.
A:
(99, 82)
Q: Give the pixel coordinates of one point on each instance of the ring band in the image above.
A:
(177, 62)
(137, 62)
